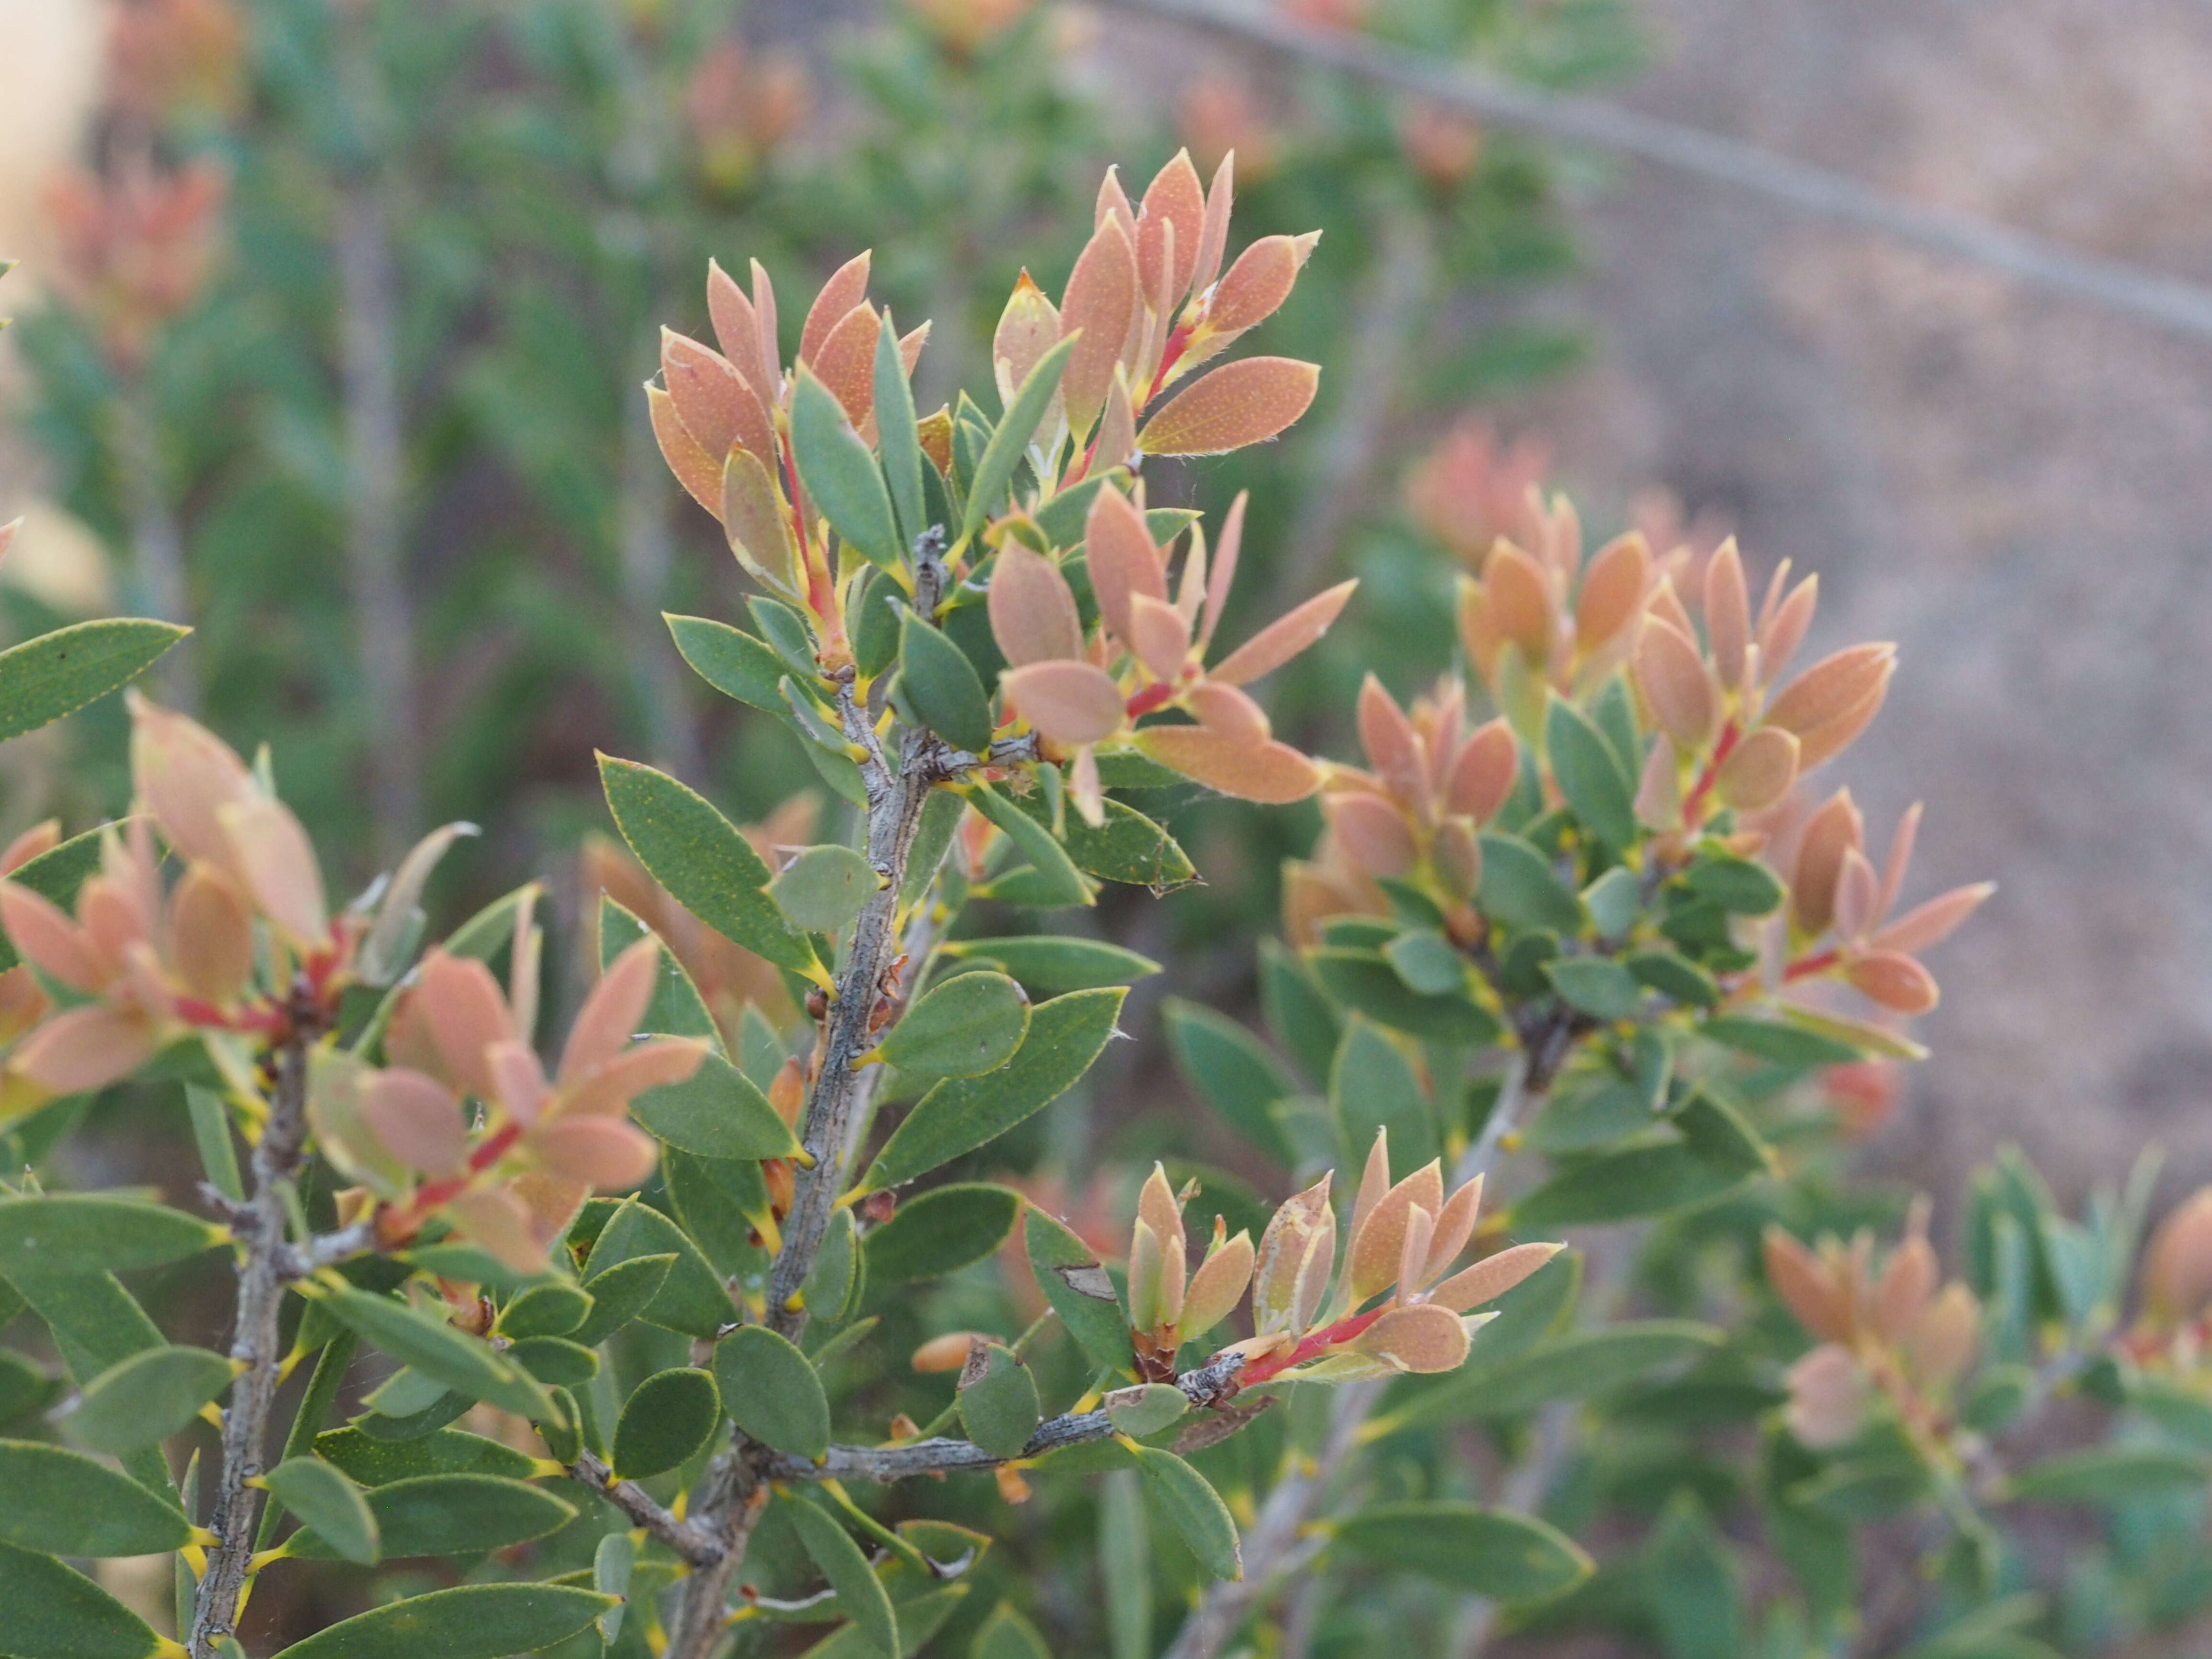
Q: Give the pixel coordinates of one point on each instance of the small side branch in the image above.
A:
(697, 1544)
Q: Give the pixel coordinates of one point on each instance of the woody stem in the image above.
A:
(255, 1345)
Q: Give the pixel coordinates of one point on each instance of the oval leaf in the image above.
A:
(771, 1392)
(840, 473)
(716, 1112)
(942, 687)
(552, 1310)
(461, 1362)
(667, 1417)
(998, 1400)
(453, 1514)
(963, 1027)
(1185, 1497)
(1246, 402)
(823, 888)
(328, 1505)
(1043, 962)
(942, 1231)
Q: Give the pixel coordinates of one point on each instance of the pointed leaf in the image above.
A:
(1079, 1289)
(731, 660)
(1061, 883)
(75, 1233)
(50, 1612)
(841, 476)
(66, 1503)
(691, 1299)
(898, 439)
(986, 489)
(57, 673)
(1508, 1557)
(1188, 1500)
(463, 1362)
(1246, 402)
(54, 874)
(716, 1112)
(698, 855)
(1601, 794)
(943, 687)
(475, 1621)
(861, 1595)
(1045, 962)
(146, 1398)
(620, 1293)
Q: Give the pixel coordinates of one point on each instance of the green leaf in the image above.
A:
(146, 1398)
(1599, 793)
(453, 1514)
(1363, 980)
(374, 1462)
(1232, 1071)
(861, 1595)
(1196, 1510)
(942, 1231)
(1520, 888)
(994, 471)
(1718, 1133)
(1427, 962)
(1079, 1289)
(897, 440)
(1062, 882)
(475, 1621)
(461, 1362)
(698, 855)
(961, 1114)
(731, 660)
(1637, 1180)
(211, 1122)
(1569, 1367)
(677, 1008)
(667, 1417)
(1128, 847)
(771, 1391)
(1771, 1040)
(941, 814)
(83, 1232)
(840, 473)
(556, 1361)
(1302, 1018)
(1043, 962)
(1479, 1552)
(553, 1309)
(961, 1027)
(716, 1112)
(66, 1503)
(786, 633)
(823, 888)
(691, 1300)
(1614, 901)
(1374, 1086)
(874, 622)
(1006, 1635)
(2111, 1475)
(57, 673)
(1737, 885)
(834, 1278)
(54, 874)
(998, 1400)
(1675, 976)
(620, 1292)
(24, 1388)
(1146, 1408)
(612, 1563)
(49, 1612)
(1696, 1588)
(1124, 1564)
(331, 1505)
(1602, 989)
(942, 687)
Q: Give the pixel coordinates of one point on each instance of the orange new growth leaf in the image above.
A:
(1246, 402)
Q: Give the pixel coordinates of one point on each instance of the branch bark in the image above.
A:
(256, 1344)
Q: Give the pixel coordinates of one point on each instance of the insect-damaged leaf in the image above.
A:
(1074, 1281)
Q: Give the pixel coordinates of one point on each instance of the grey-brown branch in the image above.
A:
(257, 1345)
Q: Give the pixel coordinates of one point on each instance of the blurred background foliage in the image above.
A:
(391, 422)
